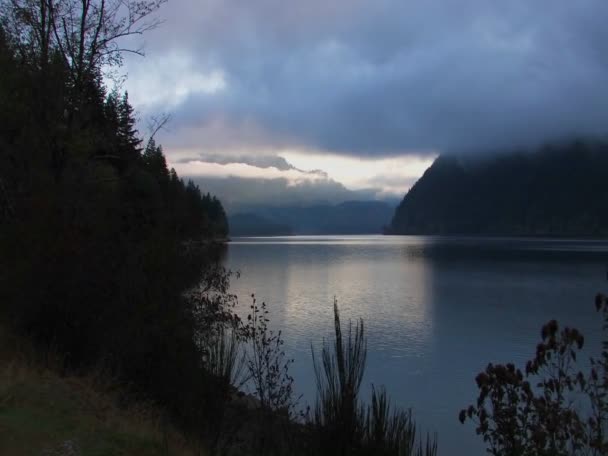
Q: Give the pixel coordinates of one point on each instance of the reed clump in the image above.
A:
(342, 423)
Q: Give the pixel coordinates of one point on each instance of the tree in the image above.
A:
(156, 164)
(128, 141)
(85, 36)
(87, 33)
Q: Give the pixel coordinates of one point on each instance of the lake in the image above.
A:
(436, 309)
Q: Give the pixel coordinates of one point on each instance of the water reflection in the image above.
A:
(436, 309)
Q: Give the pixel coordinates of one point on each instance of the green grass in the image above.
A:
(44, 414)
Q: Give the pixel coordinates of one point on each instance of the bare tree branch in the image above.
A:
(155, 124)
(87, 33)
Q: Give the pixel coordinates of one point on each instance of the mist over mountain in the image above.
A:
(239, 194)
(557, 190)
(351, 217)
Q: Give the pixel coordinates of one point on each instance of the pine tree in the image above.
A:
(129, 143)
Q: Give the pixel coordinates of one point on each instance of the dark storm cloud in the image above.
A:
(391, 77)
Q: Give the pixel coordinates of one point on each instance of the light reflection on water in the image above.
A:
(436, 310)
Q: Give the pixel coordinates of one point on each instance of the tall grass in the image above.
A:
(47, 411)
(346, 426)
(224, 356)
(388, 429)
(224, 372)
(392, 431)
(338, 375)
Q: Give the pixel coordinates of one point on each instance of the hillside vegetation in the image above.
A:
(556, 191)
(43, 413)
(93, 224)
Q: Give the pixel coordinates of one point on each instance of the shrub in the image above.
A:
(339, 374)
(267, 364)
(393, 431)
(224, 356)
(535, 412)
(342, 423)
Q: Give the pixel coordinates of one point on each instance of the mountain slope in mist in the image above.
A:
(351, 217)
(248, 224)
(555, 191)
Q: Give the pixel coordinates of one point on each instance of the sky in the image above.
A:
(347, 99)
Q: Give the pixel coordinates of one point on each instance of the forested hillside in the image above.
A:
(93, 258)
(556, 191)
(69, 149)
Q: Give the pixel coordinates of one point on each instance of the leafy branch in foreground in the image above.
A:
(266, 362)
(551, 408)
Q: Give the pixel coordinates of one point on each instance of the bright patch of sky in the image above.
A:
(387, 177)
(393, 175)
(164, 82)
(200, 168)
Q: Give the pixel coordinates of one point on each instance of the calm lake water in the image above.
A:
(436, 309)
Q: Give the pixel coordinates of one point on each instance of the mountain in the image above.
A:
(352, 217)
(557, 190)
(241, 194)
(253, 225)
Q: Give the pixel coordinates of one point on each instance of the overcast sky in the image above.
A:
(367, 93)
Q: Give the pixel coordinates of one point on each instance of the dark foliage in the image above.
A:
(267, 364)
(98, 239)
(557, 190)
(550, 408)
(341, 423)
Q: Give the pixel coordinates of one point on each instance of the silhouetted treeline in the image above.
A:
(76, 146)
(93, 258)
(557, 191)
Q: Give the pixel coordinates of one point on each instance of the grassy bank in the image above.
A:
(44, 413)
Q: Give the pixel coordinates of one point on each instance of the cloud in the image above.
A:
(379, 178)
(230, 169)
(165, 81)
(378, 79)
(392, 175)
(259, 161)
(240, 193)
(242, 181)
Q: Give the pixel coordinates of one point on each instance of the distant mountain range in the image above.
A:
(555, 191)
(253, 225)
(352, 217)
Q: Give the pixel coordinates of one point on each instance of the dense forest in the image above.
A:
(95, 231)
(555, 191)
(69, 149)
